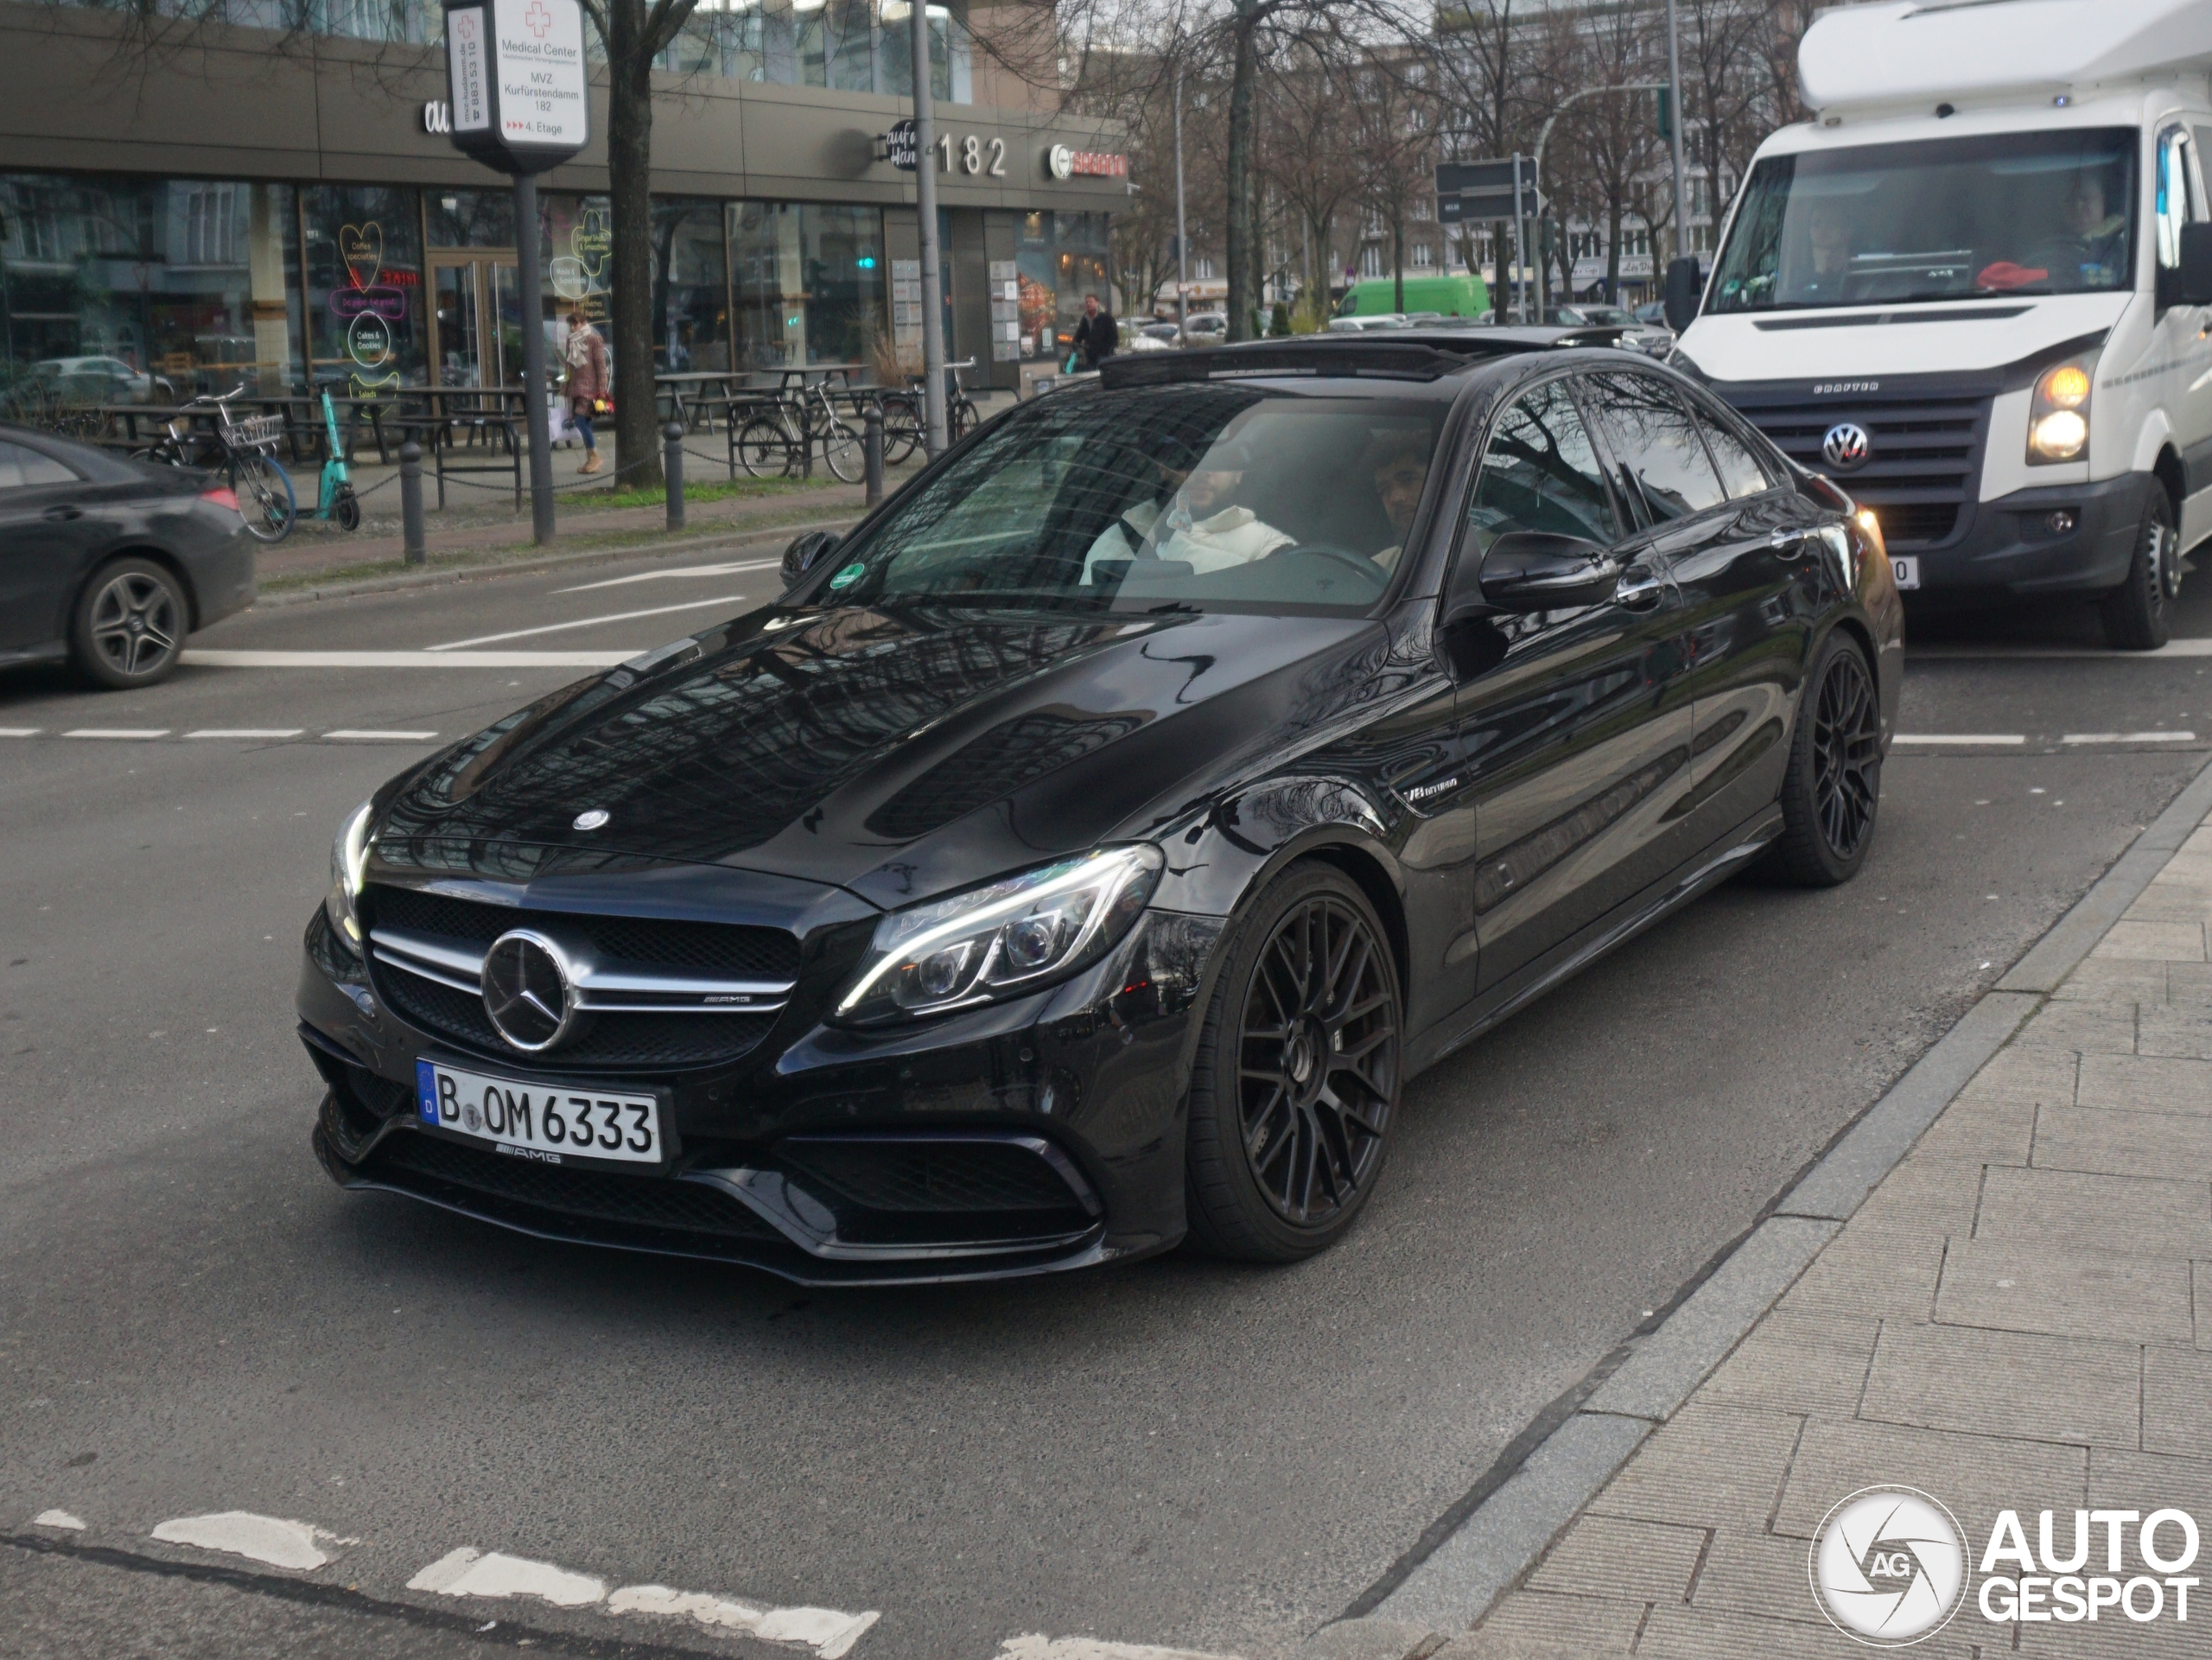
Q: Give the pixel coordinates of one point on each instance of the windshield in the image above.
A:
(1951, 219)
(1205, 497)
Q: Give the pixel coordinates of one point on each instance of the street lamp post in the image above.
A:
(1544, 137)
(925, 213)
(1182, 236)
(1674, 94)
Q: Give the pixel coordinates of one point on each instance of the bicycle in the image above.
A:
(903, 417)
(245, 452)
(774, 445)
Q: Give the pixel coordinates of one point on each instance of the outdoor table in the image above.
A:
(695, 392)
(442, 414)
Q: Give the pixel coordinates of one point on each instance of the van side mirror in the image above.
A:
(2189, 283)
(1685, 287)
(805, 552)
(1531, 570)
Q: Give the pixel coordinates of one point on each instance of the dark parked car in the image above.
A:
(112, 562)
(1083, 853)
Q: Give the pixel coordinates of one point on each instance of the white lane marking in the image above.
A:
(2171, 648)
(268, 1539)
(1037, 1646)
(1959, 737)
(2129, 737)
(586, 622)
(117, 732)
(364, 734)
(825, 1630)
(438, 659)
(667, 576)
(471, 1573)
(246, 732)
(20, 731)
(57, 1519)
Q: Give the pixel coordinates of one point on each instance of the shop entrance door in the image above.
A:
(477, 303)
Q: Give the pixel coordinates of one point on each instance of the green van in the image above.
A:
(1462, 296)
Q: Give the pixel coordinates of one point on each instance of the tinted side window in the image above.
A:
(1540, 473)
(1740, 470)
(1662, 461)
(20, 467)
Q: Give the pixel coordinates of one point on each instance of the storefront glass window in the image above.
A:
(471, 218)
(808, 281)
(691, 287)
(1058, 259)
(723, 37)
(145, 290)
(897, 54)
(367, 331)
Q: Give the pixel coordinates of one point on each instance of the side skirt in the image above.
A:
(1572, 956)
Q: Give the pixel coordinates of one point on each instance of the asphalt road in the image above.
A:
(193, 1320)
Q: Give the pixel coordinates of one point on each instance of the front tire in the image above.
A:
(264, 493)
(1294, 1091)
(2138, 614)
(129, 625)
(841, 448)
(1833, 788)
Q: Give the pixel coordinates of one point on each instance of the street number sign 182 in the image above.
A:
(519, 88)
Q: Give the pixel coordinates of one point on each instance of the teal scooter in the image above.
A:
(337, 501)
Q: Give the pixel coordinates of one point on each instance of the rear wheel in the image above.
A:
(1834, 785)
(762, 450)
(841, 448)
(960, 419)
(346, 510)
(128, 625)
(1295, 1088)
(2137, 612)
(902, 431)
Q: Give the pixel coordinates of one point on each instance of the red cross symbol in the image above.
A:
(538, 18)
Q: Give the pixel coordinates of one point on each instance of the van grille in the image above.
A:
(1926, 460)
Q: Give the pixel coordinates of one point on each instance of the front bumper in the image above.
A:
(1026, 1138)
(2007, 546)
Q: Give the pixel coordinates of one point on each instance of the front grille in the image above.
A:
(655, 942)
(611, 1040)
(526, 1192)
(1925, 453)
(931, 1176)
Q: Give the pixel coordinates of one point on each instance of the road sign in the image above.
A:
(1482, 190)
(516, 70)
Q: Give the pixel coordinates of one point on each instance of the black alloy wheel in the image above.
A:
(1295, 1088)
(2138, 614)
(1832, 789)
(129, 624)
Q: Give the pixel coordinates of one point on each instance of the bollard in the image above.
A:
(410, 504)
(672, 465)
(872, 448)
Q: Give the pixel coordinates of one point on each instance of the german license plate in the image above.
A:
(1906, 567)
(536, 1120)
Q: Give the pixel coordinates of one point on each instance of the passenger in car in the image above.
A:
(1397, 460)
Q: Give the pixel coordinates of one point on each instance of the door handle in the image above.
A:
(1787, 543)
(1641, 594)
(65, 511)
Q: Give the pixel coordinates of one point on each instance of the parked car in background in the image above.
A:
(1637, 337)
(101, 380)
(1207, 328)
(1652, 316)
(109, 562)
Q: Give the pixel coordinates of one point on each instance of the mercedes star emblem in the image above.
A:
(1846, 445)
(591, 818)
(528, 993)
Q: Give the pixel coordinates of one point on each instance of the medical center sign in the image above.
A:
(516, 68)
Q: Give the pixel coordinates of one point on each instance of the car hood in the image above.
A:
(898, 755)
(1858, 342)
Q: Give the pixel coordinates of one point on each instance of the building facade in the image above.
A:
(281, 207)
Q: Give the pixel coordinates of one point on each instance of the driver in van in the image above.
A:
(2089, 252)
(1828, 235)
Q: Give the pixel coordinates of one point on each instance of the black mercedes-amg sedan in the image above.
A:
(1080, 856)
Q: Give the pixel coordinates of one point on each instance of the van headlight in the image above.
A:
(1003, 940)
(349, 857)
(2058, 413)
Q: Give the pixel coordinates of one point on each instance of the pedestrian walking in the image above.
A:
(1096, 336)
(585, 352)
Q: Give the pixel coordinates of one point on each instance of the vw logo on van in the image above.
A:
(1847, 446)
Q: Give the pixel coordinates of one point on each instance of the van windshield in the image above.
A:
(1950, 219)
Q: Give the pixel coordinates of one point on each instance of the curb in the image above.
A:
(734, 540)
(1446, 1583)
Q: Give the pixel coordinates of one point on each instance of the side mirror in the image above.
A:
(805, 552)
(1532, 570)
(2190, 283)
(1685, 288)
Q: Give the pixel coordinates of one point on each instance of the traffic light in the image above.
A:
(1666, 113)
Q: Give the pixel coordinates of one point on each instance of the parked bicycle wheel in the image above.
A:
(960, 419)
(841, 448)
(264, 493)
(764, 448)
(902, 430)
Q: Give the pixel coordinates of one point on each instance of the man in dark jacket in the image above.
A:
(1096, 336)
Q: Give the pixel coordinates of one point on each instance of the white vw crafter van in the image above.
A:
(1975, 290)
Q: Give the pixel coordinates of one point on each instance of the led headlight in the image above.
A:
(2058, 413)
(1002, 940)
(349, 855)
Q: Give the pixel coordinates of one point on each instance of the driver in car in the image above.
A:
(1201, 523)
(1398, 463)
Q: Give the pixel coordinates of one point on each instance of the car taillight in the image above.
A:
(222, 498)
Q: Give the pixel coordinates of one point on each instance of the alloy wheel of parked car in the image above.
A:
(1298, 1076)
(1834, 785)
(130, 625)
